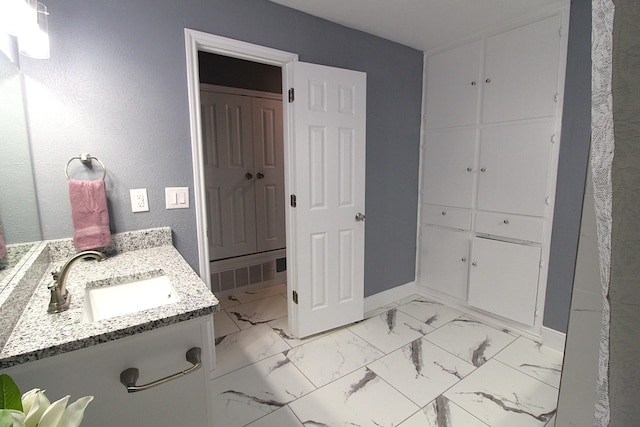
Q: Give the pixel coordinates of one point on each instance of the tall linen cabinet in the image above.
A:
(493, 111)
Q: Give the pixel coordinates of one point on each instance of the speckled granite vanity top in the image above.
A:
(38, 334)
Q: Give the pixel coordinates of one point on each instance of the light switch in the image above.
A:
(139, 200)
(176, 197)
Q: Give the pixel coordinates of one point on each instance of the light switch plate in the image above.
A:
(176, 197)
(139, 200)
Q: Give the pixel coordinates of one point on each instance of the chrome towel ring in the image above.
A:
(85, 158)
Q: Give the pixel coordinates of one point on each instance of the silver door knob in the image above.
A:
(259, 175)
(248, 175)
(360, 217)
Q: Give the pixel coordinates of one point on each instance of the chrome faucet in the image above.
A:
(60, 298)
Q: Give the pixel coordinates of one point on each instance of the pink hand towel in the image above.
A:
(3, 245)
(90, 214)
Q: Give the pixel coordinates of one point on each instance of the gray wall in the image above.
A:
(572, 167)
(115, 87)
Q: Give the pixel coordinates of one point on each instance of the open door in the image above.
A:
(326, 182)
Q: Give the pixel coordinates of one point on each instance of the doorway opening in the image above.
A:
(243, 164)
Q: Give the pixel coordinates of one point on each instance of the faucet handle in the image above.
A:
(55, 274)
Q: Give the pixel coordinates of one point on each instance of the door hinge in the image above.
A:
(291, 95)
(294, 201)
(295, 297)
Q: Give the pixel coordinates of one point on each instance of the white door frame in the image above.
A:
(194, 42)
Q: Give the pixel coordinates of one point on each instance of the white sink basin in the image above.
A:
(117, 299)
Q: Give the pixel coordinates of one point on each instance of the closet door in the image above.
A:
(453, 86)
(444, 261)
(503, 279)
(269, 177)
(521, 72)
(449, 161)
(514, 168)
(229, 174)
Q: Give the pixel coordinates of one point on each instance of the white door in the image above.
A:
(328, 179)
(268, 160)
(228, 169)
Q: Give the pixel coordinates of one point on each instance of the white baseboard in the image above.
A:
(552, 338)
(387, 297)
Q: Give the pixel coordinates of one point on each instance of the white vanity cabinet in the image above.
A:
(492, 128)
(158, 353)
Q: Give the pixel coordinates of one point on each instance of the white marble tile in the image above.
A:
(505, 397)
(259, 311)
(421, 371)
(245, 297)
(223, 325)
(376, 311)
(442, 413)
(242, 348)
(332, 356)
(255, 390)
(281, 327)
(283, 417)
(390, 330)
(470, 339)
(533, 359)
(358, 399)
(228, 302)
(410, 298)
(432, 313)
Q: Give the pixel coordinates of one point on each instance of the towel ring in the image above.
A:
(85, 158)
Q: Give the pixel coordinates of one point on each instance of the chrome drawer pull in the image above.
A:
(129, 376)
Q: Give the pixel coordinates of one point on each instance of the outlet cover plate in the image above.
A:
(139, 200)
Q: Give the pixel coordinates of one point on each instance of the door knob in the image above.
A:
(259, 175)
(360, 217)
(248, 175)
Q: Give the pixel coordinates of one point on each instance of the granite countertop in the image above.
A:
(38, 334)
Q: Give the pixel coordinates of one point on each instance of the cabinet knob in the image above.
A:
(475, 264)
(248, 175)
(488, 81)
(444, 213)
(473, 83)
(469, 169)
(483, 170)
(463, 260)
(506, 221)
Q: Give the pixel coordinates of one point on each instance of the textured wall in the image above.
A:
(572, 167)
(115, 86)
(624, 293)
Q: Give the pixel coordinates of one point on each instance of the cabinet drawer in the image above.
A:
(446, 216)
(510, 226)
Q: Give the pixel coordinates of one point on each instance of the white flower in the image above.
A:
(39, 412)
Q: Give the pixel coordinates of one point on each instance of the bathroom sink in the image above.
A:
(117, 297)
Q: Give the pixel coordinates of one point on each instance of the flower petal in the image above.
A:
(75, 412)
(40, 404)
(51, 417)
(28, 398)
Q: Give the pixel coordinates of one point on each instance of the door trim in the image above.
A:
(194, 42)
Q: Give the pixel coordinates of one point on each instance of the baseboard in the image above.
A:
(387, 297)
(552, 338)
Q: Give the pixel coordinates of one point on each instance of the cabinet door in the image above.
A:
(444, 258)
(449, 161)
(514, 168)
(453, 86)
(521, 72)
(268, 146)
(228, 159)
(503, 279)
(96, 371)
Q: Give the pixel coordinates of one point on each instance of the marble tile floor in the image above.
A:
(411, 363)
